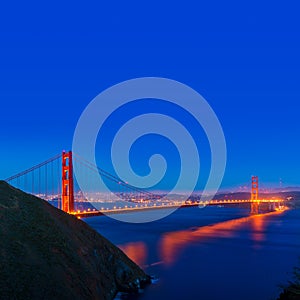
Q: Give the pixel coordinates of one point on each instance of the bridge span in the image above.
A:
(274, 204)
(54, 179)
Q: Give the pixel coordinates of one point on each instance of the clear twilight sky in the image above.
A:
(242, 57)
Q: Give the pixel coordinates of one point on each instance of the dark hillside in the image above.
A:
(48, 254)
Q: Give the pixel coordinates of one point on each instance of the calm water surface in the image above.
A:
(211, 253)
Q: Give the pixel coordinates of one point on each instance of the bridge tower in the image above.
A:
(254, 195)
(67, 194)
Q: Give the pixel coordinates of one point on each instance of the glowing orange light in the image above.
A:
(136, 251)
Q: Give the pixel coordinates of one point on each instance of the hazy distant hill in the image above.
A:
(245, 195)
(292, 197)
(47, 254)
(287, 189)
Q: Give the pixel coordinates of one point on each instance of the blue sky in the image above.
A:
(242, 57)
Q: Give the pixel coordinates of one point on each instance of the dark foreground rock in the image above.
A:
(292, 291)
(48, 254)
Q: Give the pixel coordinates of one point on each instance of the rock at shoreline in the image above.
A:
(290, 293)
(48, 254)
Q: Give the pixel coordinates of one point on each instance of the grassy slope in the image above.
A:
(45, 253)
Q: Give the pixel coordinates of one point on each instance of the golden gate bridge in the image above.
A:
(53, 180)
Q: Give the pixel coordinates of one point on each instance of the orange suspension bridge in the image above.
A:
(53, 180)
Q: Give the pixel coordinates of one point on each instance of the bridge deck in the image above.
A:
(144, 207)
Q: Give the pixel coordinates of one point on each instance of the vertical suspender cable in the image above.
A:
(58, 185)
(46, 182)
(39, 182)
(52, 181)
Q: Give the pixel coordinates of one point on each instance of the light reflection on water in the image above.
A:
(136, 251)
(172, 244)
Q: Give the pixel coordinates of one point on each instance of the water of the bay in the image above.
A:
(212, 253)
